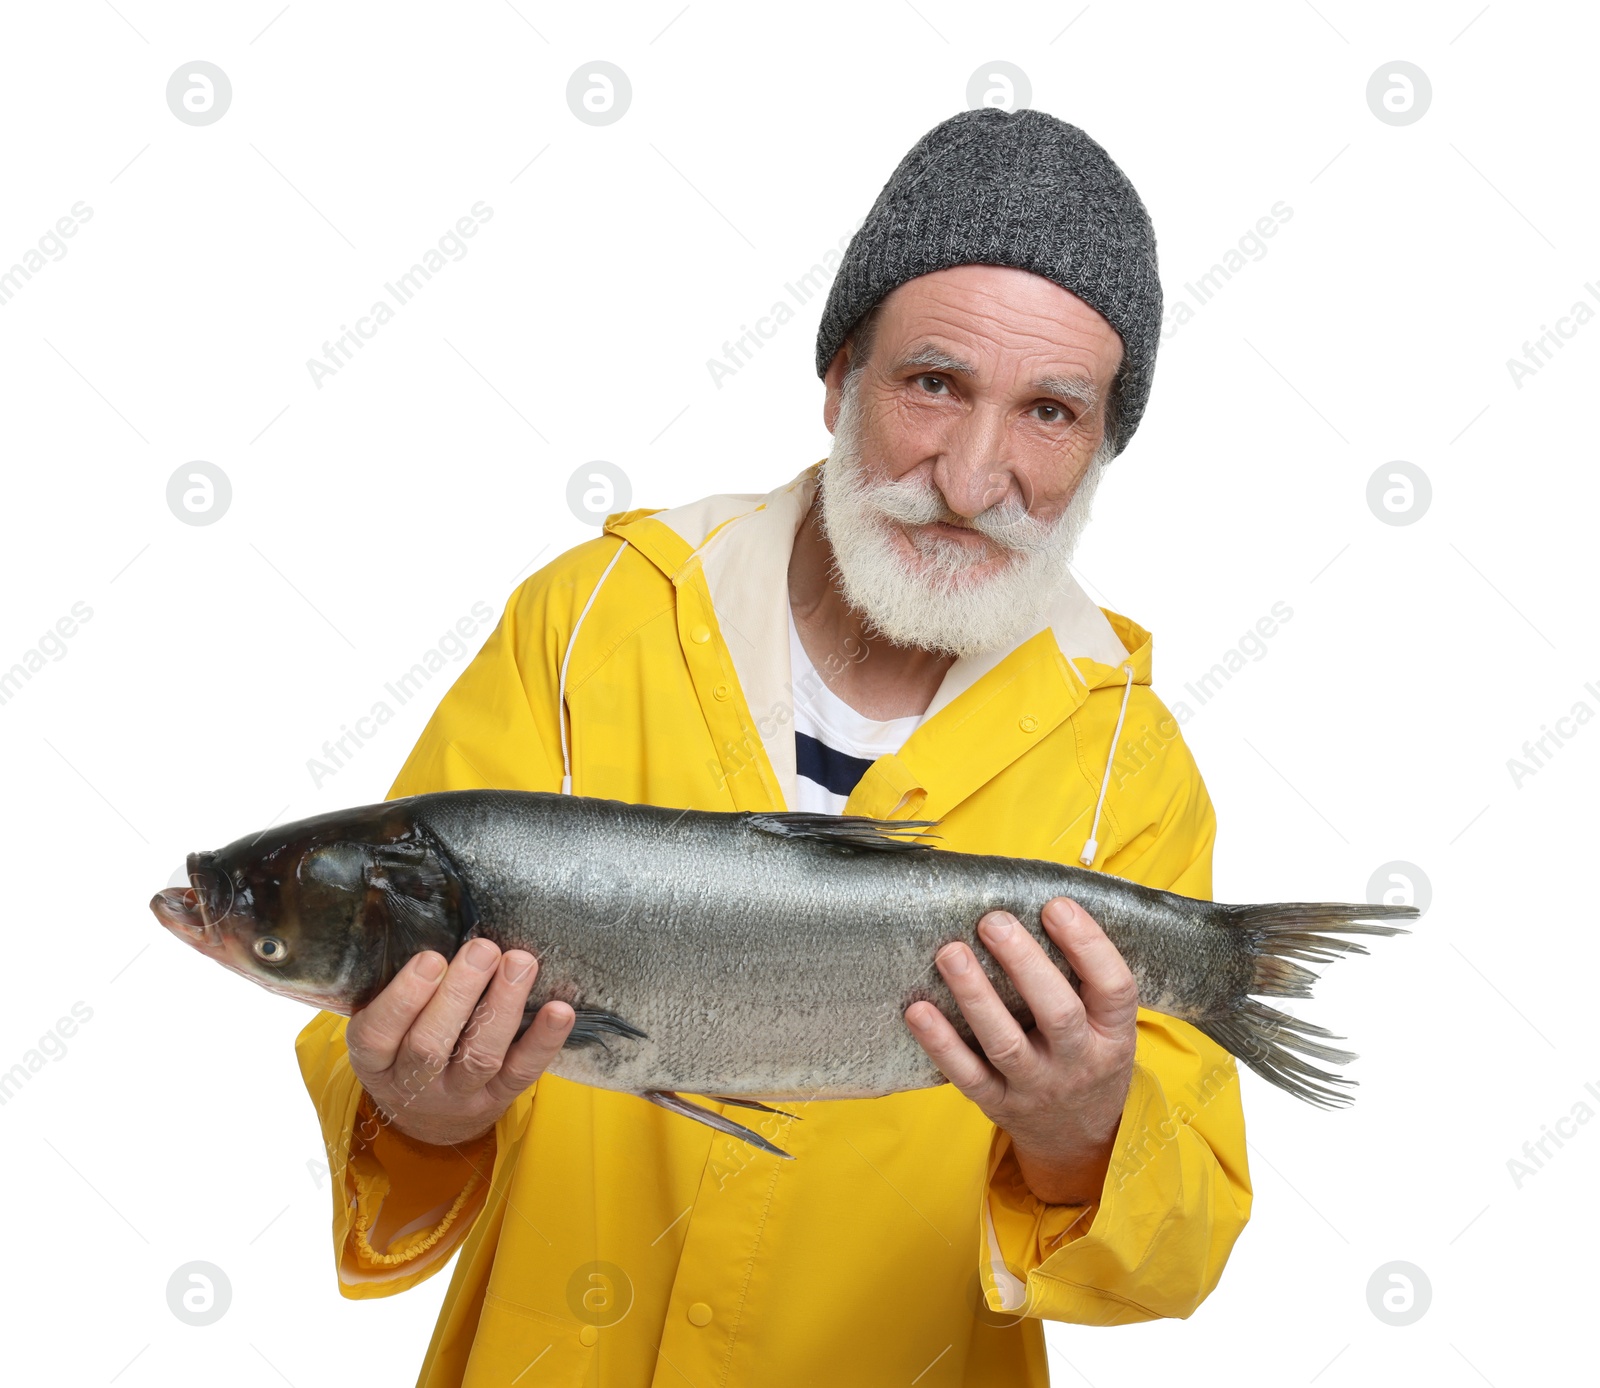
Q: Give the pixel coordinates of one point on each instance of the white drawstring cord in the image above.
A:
(1092, 844)
(561, 689)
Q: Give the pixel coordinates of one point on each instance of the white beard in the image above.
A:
(932, 601)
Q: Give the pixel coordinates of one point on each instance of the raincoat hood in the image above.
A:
(739, 545)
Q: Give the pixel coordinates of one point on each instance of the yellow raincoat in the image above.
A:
(608, 1242)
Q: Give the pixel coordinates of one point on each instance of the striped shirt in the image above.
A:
(833, 744)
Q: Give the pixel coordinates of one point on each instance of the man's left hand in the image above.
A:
(1058, 1089)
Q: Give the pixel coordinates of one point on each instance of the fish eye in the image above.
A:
(270, 949)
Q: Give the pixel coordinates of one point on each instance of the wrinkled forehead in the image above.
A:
(1000, 317)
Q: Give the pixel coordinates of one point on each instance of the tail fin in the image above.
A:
(1267, 1040)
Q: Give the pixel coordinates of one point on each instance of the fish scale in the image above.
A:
(748, 957)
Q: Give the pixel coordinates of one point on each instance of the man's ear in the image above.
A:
(833, 380)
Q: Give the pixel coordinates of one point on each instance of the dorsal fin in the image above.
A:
(854, 831)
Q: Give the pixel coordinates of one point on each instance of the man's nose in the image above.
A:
(974, 471)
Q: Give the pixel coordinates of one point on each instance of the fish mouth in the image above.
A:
(190, 914)
(195, 913)
(186, 915)
(179, 909)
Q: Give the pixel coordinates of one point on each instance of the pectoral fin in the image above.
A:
(593, 1024)
(676, 1103)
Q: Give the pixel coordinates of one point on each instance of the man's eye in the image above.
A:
(1053, 414)
(931, 385)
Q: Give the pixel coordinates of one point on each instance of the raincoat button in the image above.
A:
(720, 692)
(588, 1335)
(1028, 724)
(700, 634)
(700, 1314)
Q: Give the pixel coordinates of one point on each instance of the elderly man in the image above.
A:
(895, 633)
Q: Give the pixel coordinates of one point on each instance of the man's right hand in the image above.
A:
(434, 1049)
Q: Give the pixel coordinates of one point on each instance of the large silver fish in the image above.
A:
(744, 957)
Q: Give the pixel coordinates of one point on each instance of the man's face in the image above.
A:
(952, 499)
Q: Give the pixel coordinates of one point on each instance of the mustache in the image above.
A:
(1008, 523)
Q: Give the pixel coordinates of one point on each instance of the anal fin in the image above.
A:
(676, 1103)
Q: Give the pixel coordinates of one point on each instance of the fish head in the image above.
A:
(326, 911)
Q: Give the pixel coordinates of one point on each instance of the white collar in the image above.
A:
(743, 543)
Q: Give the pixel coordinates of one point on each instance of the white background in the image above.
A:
(428, 474)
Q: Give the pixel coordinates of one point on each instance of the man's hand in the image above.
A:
(438, 1076)
(1058, 1089)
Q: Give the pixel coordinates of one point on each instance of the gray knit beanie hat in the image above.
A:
(1023, 189)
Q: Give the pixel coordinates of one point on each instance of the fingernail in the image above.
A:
(997, 925)
(481, 954)
(430, 967)
(954, 959)
(517, 964)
